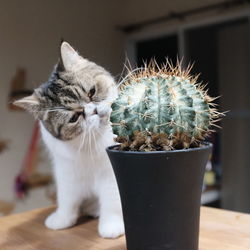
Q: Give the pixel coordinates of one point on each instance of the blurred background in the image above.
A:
(213, 34)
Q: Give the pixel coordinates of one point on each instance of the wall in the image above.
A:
(30, 33)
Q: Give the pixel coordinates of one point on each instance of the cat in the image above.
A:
(73, 108)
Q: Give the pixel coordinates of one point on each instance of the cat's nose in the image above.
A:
(90, 109)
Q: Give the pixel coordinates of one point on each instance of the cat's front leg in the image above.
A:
(69, 198)
(111, 223)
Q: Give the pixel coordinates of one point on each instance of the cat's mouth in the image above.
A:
(84, 113)
(95, 112)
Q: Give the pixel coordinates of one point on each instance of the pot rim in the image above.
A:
(205, 146)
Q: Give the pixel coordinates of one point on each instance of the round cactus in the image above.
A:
(162, 109)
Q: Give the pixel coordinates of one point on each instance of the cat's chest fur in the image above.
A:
(86, 165)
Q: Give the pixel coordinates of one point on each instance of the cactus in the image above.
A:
(162, 109)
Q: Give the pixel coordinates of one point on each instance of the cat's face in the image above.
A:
(68, 103)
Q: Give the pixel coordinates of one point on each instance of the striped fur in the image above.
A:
(73, 107)
(66, 92)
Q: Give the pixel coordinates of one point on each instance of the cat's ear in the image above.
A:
(68, 57)
(29, 103)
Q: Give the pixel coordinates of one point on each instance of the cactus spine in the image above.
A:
(162, 109)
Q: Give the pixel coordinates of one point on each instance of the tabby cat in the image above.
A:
(73, 108)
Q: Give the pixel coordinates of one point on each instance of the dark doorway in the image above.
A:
(158, 48)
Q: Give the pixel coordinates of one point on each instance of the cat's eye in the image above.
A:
(74, 118)
(91, 92)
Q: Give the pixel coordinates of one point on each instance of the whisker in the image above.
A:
(97, 146)
(55, 109)
(90, 144)
(83, 138)
(129, 74)
(80, 144)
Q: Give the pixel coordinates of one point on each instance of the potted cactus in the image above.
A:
(161, 118)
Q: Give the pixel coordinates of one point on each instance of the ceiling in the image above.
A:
(139, 10)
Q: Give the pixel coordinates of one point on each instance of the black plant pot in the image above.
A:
(160, 194)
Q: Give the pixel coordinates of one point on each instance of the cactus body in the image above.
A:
(166, 103)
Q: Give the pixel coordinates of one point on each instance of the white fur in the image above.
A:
(72, 61)
(84, 175)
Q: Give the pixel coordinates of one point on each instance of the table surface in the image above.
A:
(220, 230)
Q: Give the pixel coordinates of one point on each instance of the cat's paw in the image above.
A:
(112, 228)
(57, 221)
(104, 110)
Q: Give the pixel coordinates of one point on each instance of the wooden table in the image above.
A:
(220, 230)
